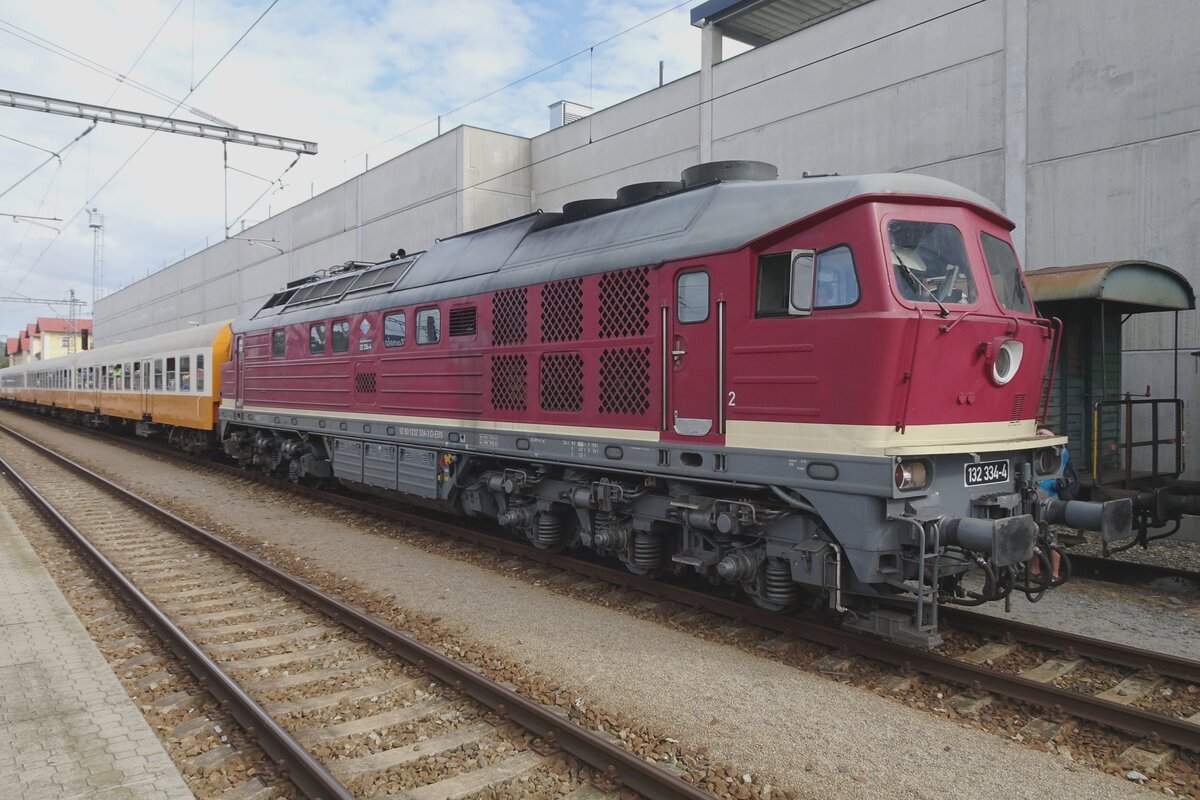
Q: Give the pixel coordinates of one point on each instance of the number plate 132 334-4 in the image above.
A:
(986, 472)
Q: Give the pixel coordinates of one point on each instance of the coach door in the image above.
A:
(692, 356)
(142, 382)
(239, 355)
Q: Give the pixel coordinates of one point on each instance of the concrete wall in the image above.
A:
(464, 179)
(1081, 118)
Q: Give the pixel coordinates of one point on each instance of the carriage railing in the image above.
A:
(1113, 462)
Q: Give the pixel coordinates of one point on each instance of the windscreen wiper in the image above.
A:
(918, 283)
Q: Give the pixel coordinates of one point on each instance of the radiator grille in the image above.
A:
(624, 303)
(562, 311)
(364, 383)
(508, 316)
(562, 382)
(508, 382)
(1018, 407)
(625, 380)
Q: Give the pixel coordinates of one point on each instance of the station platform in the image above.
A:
(67, 727)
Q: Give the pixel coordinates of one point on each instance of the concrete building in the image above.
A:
(1081, 118)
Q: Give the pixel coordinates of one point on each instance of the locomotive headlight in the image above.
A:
(1007, 361)
(1047, 460)
(911, 475)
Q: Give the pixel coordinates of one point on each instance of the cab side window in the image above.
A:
(429, 325)
(393, 330)
(837, 282)
(316, 339)
(341, 336)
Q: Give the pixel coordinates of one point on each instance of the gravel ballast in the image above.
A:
(811, 735)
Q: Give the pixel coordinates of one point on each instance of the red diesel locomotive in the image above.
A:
(824, 389)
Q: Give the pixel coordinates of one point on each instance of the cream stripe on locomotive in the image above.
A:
(800, 437)
(885, 440)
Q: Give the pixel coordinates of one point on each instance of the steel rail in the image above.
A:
(1130, 572)
(299, 765)
(613, 762)
(1170, 666)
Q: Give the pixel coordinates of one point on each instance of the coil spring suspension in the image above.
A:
(549, 530)
(779, 586)
(647, 550)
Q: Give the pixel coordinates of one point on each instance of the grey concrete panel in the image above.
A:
(427, 171)
(982, 173)
(323, 254)
(496, 162)
(326, 214)
(1104, 73)
(746, 97)
(930, 120)
(262, 280)
(413, 230)
(593, 172)
(659, 105)
(1138, 201)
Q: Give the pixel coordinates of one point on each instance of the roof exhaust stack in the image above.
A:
(728, 171)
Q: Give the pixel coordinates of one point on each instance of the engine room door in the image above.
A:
(239, 353)
(692, 350)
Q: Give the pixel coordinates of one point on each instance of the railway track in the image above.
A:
(1134, 573)
(347, 706)
(1005, 660)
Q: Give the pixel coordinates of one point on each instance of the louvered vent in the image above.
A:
(625, 380)
(1018, 407)
(364, 383)
(462, 321)
(508, 382)
(562, 311)
(624, 303)
(562, 382)
(508, 316)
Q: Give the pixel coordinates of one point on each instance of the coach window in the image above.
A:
(200, 372)
(316, 339)
(429, 325)
(279, 342)
(185, 374)
(393, 330)
(341, 336)
(171, 375)
(158, 375)
(127, 372)
(691, 297)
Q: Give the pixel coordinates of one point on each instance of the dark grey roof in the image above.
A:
(757, 22)
(709, 219)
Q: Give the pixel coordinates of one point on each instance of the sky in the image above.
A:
(366, 80)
